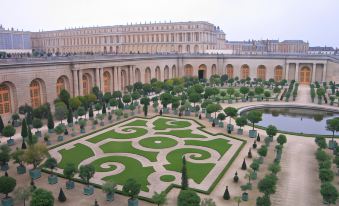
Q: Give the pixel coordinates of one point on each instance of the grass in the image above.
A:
(138, 132)
(133, 169)
(138, 122)
(164, 123)
(151, 142)
(167, 178)
(126, 147)
(182, 134)
(75, 155)
(195, 171)
(220, 145)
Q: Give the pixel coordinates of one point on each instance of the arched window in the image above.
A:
(107, 82)
(305, 75)
(261, 72)
(229, 71)
(174, 71)
(157, 74)
(214, 69)
(147, 75)
(166, 72)
(5, 100)
(188, 70)
(86, 84)
(137, 75)
(60, 85)
(245, 71)
(35, 92)
(278, 73)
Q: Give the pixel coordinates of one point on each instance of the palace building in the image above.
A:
(179, 37)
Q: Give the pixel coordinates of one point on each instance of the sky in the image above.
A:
(315, 21)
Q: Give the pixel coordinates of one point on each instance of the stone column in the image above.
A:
(287, 70)
(324, 72)
(75, 83)
(115, 77)
(81, 91)
(111, 72)
(296, 75)
(97, 78)
(117, 72)
(101, 72)
(313, 72)
(132, 74)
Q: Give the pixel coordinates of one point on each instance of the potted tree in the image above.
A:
(230, 91)
(51, 163)
(9, 131)
(230, 112)
(254, 117)
(82, 124)
(17, 155)
(59, 130)
(262, 151)
(69, 171)
(16, 120)
(101, 118)
(37, 124)
(255, 167)
(320, 92)
(213, 108)
(86, 172)
(34, 155)
(50, 123)
(159, 198)
(166, 99)
(221, 117)
(244, 90)
(251, 95)
(197, 109)
(4, 157)
(7, 185)
(109, 188)
(240, 121)
(267, 95)
(271, 131)
(40, 196)
(46, 139)
(132, 188)
(118, 114)
(175, 105)
(333, 126)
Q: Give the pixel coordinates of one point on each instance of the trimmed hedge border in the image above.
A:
(169, 188)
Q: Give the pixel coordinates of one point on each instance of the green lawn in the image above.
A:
(137, 132)
(126, 147)
(164, 123)
(150, 142)
(220, 145)
(75, 155)
(187, 133)
(133, 169)
(195, 171)
(138, 122)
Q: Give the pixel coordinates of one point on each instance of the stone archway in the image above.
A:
(174, 71)
(137, 75)
(278, 73)
(188, 70)
(261, 72)
(229, 71)
(158, 73)
(62, 83)
(245, 71)
(202, 72)
(37, 93)
(305, 75)
(166, 73)
(148, 75)
(6, 98)
(86, 83)
(107, 82)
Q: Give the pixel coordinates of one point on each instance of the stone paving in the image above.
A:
(156, 185)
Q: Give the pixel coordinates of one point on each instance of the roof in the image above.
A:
(320, 48)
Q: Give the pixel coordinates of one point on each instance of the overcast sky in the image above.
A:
(316, 21)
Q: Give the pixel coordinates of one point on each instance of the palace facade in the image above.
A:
(40, 80)
(179, 37)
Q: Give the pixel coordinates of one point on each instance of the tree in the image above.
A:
(51, 163)
(255, 165)
(274, 168)
(35, 154)
(64, 96)
(326, 175)
(207, 202)
(8, 131)
(50, 121)
(107, 97)
(22, 194)
(1, 125)
(103, 111)
(62, 197)
(131, 188)
(237, 199)
(263, 201)
(271, 130)
(117, 94)
(188, 198)
(42, 197)
(135, 95)
(194, 98)
(60, 111)
(37, 123)
(282, 139)
(17, 156)
(226, 194)
(244, 90)
(184, 176)
(24, 132)
(109, 187)
(231, 112)
(329, 193)
(268, 184)
(74, 103)
(230, 91)
(145, 101)
(213, 108)
(69, 171)
(254, 117)
(86, 172)
(333, 126)
(5, 155)
(7, 185)
(159, 198)
(126, 99)
(263, 151)
(241, 121)
(165, 98)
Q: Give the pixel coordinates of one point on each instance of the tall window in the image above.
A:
(35, 94)
(188, 71)
(245, 72)
(5, 100)
(278, 73)
(107, 82)
(85, 85)
(147, 75)
(261, 72)
(60, 85)
(229, 71)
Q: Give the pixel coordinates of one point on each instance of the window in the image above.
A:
(35, 94)
(5, 100)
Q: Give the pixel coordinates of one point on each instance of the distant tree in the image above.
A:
(231, 112)
(5, 154)
(35, 154)
(333, 126)
(37, 123)
(263, 201)
(42, 197)
(184, 176)
(65, 97)
(207, 202)
(241, 121)
(50, 121)
(24, 131)
(23, 194)
(254, 117)
(74, 103)
(8, 131)
(69, 117)
(188, 198)
(268, 184)
(326, 175)
(213, 108)
(60, 111)
(86, 172)
(131, 188)
(159, 198)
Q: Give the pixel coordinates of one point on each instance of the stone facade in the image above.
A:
(111, 73)
(180, 37)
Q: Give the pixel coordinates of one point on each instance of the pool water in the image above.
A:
(297, 120)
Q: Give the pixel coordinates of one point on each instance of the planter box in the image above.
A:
(70, 184)
(88, 190)
(38, 133)
(102, 124)
(10, 142)
(21, 170)
(210, 119)
(244, 196)
(35, 174)
(229, 101)
(203, 110)
(7, 202)
(332, 144)
(165, 110)
(4, 167)
(252, 133)
(52, 179)
(208, 115)
(230, 127)
(187, 113)
(133, 202)
(251, 99)
(243, 100)
(240, 131)
(221, 124)
(60, 138)
(50, 131)
(175, 112)
(196, 114)
(110, 197)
